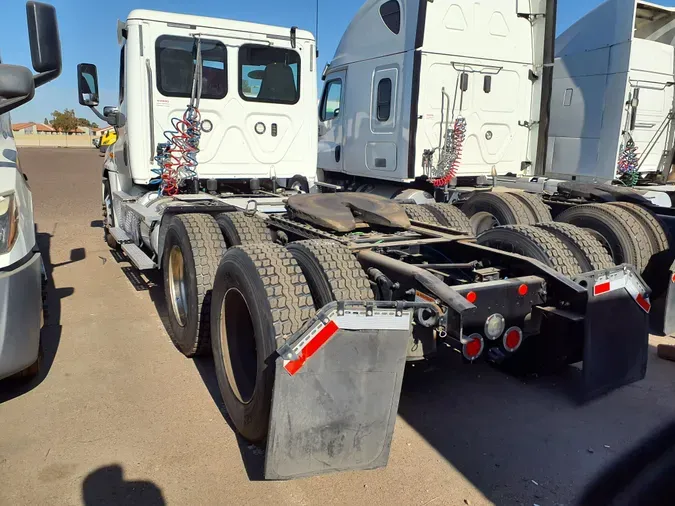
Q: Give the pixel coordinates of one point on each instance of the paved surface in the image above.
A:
(120, 417)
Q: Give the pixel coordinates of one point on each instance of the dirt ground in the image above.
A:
(118, 416)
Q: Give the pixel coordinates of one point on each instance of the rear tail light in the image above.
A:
(513, 338)
(473, 347)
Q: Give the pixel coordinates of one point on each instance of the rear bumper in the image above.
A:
(20, 306)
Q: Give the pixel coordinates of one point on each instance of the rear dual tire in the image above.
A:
(534, 243)
(264, 293)
(622, 234)
(488, 209)
(260, 296)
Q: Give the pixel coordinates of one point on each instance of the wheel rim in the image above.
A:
(237, 339)
(177, 285)
(483, 221)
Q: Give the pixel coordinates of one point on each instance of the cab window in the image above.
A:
(269, 74)
(330, 103)
(175, 67)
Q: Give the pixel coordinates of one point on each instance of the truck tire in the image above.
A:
(331, 271)
(534, 243)
(540, 211)
(420, 213)
(489, 209)
(193, 248)
(658, 237)
(656, 272)
(621, 233)
(259, 296)
(108, 215)
(450, 216)
(239, 228)
(587, 250)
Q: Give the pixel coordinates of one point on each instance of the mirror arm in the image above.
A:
(45, 77)
(110, 120)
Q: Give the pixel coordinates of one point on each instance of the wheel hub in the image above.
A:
(177, 285)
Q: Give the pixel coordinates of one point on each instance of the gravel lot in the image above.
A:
(118, 416)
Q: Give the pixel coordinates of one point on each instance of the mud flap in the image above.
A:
(616, 331)
(669, 309)
(336, 391)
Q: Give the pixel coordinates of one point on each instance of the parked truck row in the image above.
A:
(421, 223)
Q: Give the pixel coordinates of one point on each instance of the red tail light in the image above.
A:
(473, 347)
(513, 338)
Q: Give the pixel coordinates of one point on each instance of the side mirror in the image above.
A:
(16, 87)
(113, 116)
(336, 112)
(45, 43)
(87, 84)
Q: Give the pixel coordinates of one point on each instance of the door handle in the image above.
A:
(337, 153)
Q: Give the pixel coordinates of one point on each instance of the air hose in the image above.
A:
(451, 155)
(627, 166)
(177, 157)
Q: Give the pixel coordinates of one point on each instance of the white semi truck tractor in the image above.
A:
(467, 103)
(22, 275)
(312, 303)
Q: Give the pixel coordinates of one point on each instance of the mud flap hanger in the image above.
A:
(615, 329)
(337, 384)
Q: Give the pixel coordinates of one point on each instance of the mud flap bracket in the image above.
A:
(336, 390)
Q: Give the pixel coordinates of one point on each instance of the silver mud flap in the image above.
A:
(336, 390)
(669, 310)
(616, 330)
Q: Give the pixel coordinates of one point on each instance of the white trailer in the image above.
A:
(22, 275)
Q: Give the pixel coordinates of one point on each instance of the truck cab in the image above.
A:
(613, 83)
(258, 94)
(406, 70)
(21, 270)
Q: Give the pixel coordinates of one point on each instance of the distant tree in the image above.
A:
(245, 86)
(46, 122)
(65, 121)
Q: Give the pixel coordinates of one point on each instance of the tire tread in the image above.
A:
(344, 274)
(596, 255)
(208, 248)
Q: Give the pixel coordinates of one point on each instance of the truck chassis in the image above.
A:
(312, 304)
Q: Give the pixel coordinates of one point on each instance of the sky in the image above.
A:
(89, 34)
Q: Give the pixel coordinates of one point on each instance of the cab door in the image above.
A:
(331, 123)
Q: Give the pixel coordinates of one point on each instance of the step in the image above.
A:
(119, 235)
(142, 261)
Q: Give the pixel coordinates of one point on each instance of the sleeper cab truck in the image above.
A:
(460, 111)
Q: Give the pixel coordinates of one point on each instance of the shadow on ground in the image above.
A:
(106, 486)
(50, 335)
(528, 442)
